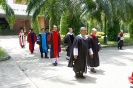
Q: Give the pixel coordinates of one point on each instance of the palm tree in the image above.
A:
(111, 9)
(50, 8)
(95, 9)
(10, 17)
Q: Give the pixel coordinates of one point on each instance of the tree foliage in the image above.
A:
(131, 29)
(81, 11)
(35, 26)
(112, 31)
(10, 17)
(64, 22)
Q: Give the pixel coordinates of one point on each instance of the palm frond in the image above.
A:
(32, 4)
(106, 7)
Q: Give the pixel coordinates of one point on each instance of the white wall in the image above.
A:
(9, 1)
(18, 8)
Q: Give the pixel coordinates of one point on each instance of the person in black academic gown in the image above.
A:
(94, 62)
(68, 42)
(120, 40)
(78, 57)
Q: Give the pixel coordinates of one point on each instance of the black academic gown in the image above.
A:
(120, 42)
(79, 64)
(94, 62)
(68, 41)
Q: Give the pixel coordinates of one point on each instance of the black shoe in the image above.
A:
(77, 75)
(22, 46)
(55, 64)
(31, 52)
(93, 70)
(67, 59)
(121, 49)
(81, 76)
(46, 57)
(41, 56)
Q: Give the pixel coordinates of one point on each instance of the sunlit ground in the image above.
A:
(25, 70)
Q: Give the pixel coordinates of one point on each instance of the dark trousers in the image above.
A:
(120, 44)
(41, 51)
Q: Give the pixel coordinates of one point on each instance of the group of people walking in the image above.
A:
(46, 40)
(82, 50)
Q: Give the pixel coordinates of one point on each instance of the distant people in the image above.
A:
(31, 40)
(48, 36)
(78, 58)
(68, 42)
(42, 42)
(22, 38)
(29, 31)
(95, 44)
(59, 48)
(54, 43)
(120, 40)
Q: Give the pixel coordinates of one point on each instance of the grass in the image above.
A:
(127, 41)
(2, 53)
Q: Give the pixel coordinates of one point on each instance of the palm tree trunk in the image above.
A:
(105, 38)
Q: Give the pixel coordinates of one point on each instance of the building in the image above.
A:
(21, 17)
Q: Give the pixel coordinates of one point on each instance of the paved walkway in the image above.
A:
(25, 70)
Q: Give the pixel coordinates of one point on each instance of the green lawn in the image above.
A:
(2, 53)
(127, 41)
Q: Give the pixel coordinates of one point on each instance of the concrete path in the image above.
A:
(25, 70)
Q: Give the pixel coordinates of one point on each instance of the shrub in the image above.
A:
(100, 33)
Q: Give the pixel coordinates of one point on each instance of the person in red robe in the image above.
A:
(31, 40)
(22, 38)
(54, 43)
(131, 78)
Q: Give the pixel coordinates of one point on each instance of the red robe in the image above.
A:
(55, 42)
(131, 78)
(22, 39)
(31, 40)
